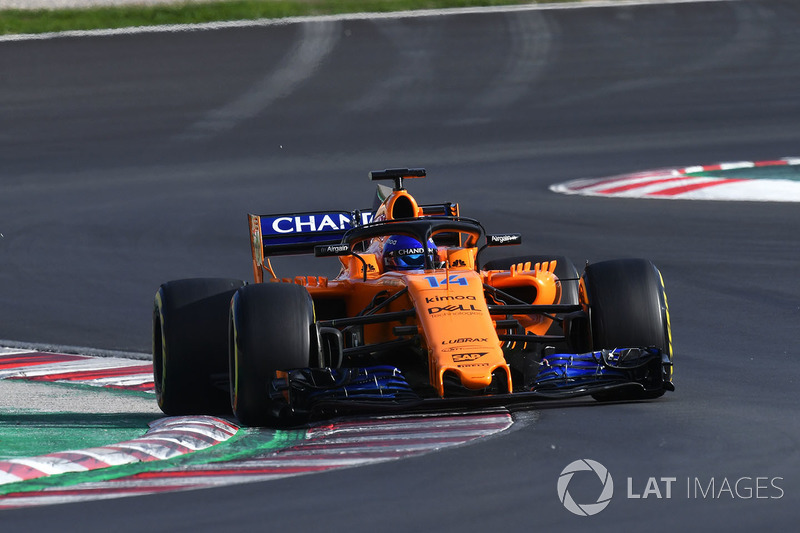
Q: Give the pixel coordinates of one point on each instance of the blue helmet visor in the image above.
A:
(409, 262)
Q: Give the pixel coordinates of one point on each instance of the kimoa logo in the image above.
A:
(448, 298)
(586, 509)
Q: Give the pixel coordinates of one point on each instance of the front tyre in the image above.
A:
(190, 349)
(627, 307)
(269, 331)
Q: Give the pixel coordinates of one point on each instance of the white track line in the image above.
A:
(10, 347)
(176, 28)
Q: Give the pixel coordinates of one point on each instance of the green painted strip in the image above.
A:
(776, 172)
(28, 434)
(246, 443)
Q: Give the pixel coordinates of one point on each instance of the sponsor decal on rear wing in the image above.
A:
(299, 233)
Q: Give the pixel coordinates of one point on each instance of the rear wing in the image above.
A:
(299, 233)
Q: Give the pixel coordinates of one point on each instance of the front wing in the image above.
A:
(623, 373)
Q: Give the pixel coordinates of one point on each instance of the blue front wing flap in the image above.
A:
(589, 371)
(309, 386)
(560, 376)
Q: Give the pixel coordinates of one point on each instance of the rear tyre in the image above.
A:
(565, 272)
(270, 330)
(627, 308)
(190, 326)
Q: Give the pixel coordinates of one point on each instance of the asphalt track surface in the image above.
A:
(131, 160)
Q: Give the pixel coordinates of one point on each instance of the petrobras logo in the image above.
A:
(310, 222)
(505, 239)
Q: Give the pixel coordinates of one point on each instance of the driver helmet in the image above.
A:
(406, 253)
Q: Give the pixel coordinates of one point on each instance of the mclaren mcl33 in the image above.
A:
(413, 320)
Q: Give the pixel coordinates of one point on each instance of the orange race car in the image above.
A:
(413, 320)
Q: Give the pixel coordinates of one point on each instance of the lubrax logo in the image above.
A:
(448, 298)
(451, 308)
(466, 340)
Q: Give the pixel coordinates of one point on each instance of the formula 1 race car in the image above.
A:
(412, 321)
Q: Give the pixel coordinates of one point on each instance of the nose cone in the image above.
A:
(475, 381)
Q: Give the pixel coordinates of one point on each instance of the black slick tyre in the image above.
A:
(270, 330)
(627, 307)
(190, 331)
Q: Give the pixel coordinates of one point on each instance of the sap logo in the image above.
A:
(465, 340)
(450, 309)
(461, 357)
(454, 279)
(447, 298)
